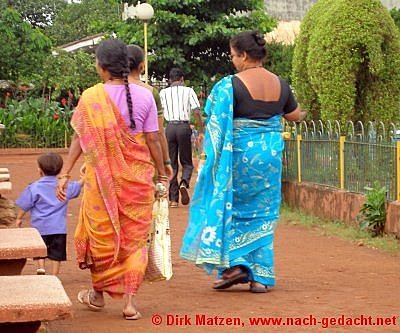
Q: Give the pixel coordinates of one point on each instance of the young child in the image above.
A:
(48, 213)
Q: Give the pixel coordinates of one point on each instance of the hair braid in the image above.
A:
(129, 101)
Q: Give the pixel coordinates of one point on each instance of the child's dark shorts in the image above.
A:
(56, 247)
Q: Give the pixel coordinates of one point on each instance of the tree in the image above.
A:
(194, 34)
(39, 13)
(68, 71)
(24, 48)
(395, 14)
(279, 60)
(348, 68)
(88, 17)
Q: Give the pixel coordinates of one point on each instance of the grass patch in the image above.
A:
(387, 243)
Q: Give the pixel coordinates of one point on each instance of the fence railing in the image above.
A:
(350, 159)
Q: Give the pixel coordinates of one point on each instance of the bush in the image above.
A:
(372, 215)
(347, 62)
(35, 122)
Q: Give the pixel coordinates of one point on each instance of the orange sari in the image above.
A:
(116, 209)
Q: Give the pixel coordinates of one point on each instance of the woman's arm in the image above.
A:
(296, 115)
(153, 142)
(74, 152)
(164, 146)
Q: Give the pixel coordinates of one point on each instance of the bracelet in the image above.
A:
(167, 162)
(162, 177)
(64, 176)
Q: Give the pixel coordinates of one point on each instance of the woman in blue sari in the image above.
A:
(235, 206)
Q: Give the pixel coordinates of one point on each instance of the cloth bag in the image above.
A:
(159, 266)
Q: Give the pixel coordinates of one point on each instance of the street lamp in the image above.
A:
(144, 12)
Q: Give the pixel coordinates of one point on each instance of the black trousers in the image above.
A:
(179, 146)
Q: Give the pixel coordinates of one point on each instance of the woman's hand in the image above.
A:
(162, 187)
(61, 189)
(168, 171)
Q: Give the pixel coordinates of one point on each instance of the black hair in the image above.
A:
(112, 55)
(50, 163)
(135, 56)
(175, 74)
(251, 42)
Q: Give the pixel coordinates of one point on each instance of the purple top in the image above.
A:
(144, 106)
(48, 213)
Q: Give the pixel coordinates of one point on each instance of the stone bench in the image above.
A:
(4, 177)
(16, 245)
(5, 184)
(27, 300)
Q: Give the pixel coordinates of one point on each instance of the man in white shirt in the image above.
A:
(178, 102)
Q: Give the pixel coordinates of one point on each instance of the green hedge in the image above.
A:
(347, 62)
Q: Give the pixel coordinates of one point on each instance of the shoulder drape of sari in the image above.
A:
(118, 194)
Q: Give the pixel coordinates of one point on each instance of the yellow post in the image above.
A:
(398, 169)
(342, 140)
(146, 68)
(298, 158)
(65, 139)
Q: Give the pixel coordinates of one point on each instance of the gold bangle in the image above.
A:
(64, 176)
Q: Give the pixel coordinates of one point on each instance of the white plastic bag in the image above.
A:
(159, 266)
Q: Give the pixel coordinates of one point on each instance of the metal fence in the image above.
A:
(350, 159)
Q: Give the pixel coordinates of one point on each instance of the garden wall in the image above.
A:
(333, 204)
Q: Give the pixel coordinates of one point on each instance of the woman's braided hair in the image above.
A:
(112, 55)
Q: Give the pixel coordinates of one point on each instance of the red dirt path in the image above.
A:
(317, 275)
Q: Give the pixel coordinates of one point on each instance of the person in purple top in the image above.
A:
(48, 213)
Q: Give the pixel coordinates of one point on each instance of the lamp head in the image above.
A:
(144, 11)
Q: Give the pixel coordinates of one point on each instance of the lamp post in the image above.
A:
(145, 12)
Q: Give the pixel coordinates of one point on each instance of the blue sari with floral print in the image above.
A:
(235, 205)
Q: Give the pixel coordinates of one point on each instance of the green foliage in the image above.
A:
(75, 71)
(372, 215)
(194, 34)
(39, 13)
(395, 14)
(85, 18)
(348, 68)
(24, 48)
(35, 122)
(279, 60)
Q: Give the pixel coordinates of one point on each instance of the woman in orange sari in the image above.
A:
(116, 128)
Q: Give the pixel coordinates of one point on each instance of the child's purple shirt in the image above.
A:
(48, 213)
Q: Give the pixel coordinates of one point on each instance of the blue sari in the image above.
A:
(235, 205)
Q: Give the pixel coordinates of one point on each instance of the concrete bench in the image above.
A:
(4, 170)
(4, 177)
(27, 300)
(5, 188)
(16, 245)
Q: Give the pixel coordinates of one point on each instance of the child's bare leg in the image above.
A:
(40, 266)
(55, 266)
(41, 263)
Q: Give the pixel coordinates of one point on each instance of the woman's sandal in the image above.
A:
(135, 316)
(258, 289)
(84, 298)
(226, 282)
